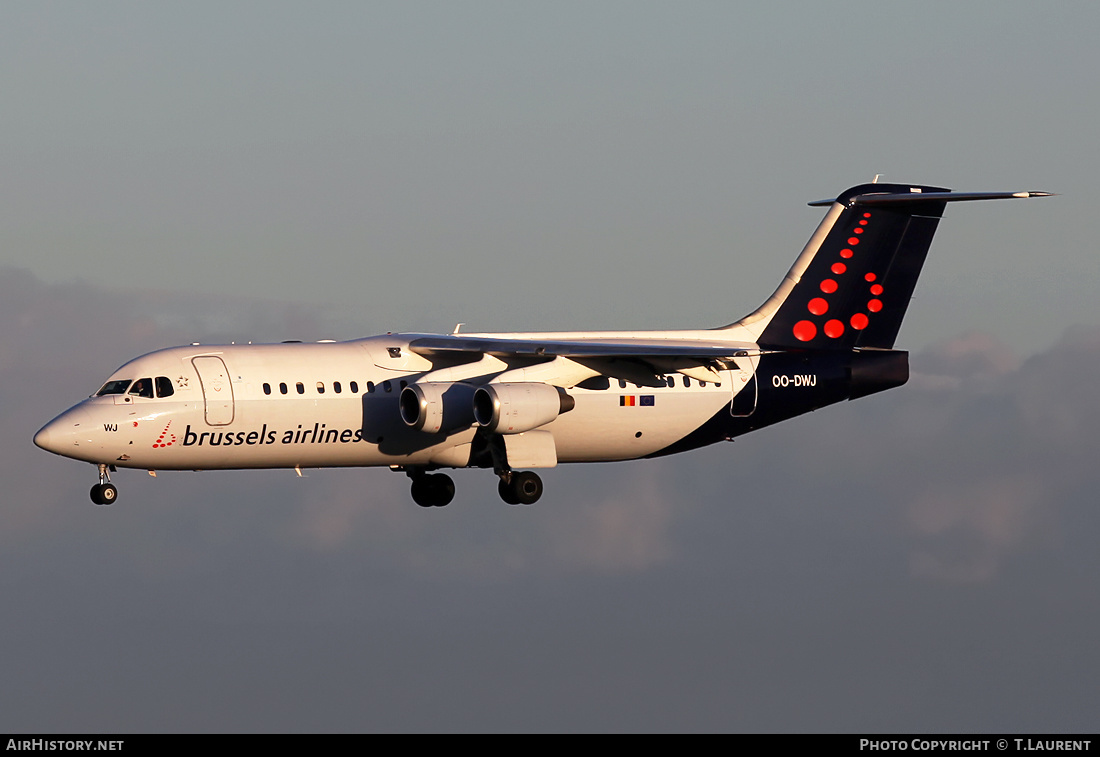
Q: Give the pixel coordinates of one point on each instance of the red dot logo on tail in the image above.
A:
(804, 331)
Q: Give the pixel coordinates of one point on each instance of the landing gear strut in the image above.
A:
(432, 489)
(520, 487)
(104, 493)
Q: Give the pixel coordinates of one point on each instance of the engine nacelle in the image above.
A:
(437, 406)
(519, 407)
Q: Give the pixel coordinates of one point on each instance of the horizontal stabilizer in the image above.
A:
(887, 198)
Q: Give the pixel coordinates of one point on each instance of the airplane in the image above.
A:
(509, 402)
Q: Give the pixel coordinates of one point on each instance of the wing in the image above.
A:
(566, 362)
(641, 348)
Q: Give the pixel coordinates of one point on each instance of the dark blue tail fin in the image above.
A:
(852, 283)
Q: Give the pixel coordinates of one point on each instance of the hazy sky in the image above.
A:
(921, 560)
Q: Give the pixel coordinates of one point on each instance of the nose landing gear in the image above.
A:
(104, 493)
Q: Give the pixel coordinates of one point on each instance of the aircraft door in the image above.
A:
(744, 376)
(217, 389)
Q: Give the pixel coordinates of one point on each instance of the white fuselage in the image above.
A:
(332, 404)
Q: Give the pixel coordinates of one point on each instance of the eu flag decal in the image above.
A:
(646, 400)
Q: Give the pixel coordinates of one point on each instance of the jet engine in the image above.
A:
(515, 408)
(437, 406)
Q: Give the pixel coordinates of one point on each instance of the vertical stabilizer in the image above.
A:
(853, 282)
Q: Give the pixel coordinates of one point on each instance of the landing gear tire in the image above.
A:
(524, 488)
(505, 492)
(104, 494)
(433, 490)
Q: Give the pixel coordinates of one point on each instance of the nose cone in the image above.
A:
(67, 433)
(42, 438)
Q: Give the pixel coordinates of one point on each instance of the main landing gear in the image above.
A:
(520, 487)
(432, 489)
(104, 493)
(437, 489)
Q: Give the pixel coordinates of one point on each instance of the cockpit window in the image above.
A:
(114, 387)
(164, 387)
(143, 387)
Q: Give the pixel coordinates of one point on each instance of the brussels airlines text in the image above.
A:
(319, 434)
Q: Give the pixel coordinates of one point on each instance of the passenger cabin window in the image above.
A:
(687, 381)
(300, 387)
(370, 387)
(354, 387)
(320, 387)
(282, 388)
(267, 388)
(143, 387)
(164, 387)
(386, 386)
(118, 386)
(336, 386)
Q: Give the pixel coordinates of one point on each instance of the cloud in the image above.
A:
(626, 529)
(869, 542)
(965, 530)
(974, 452)
(971, 357)
(1012, 441)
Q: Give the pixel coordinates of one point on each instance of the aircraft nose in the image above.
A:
(42, 438)
(63, 435)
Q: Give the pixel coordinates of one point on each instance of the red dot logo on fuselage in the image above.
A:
(160, 442)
